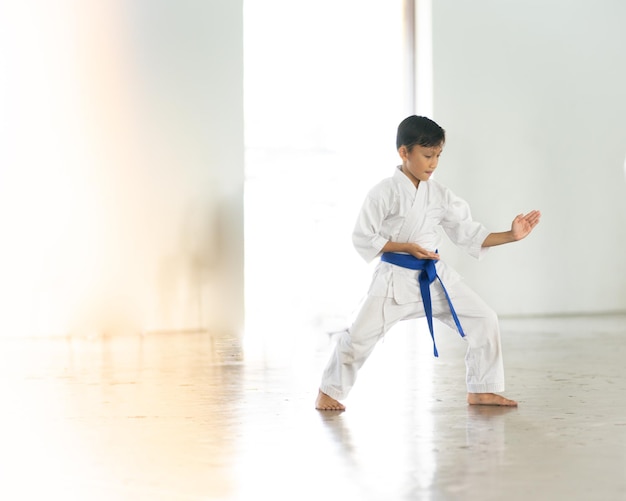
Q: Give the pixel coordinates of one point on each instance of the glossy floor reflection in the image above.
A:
(176, 417)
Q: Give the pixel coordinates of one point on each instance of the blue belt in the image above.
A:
(426, 277)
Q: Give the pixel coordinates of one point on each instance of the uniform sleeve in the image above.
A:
(366, 236)
(458, 224)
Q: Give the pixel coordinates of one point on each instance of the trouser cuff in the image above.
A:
(482, 387)
(331, 392)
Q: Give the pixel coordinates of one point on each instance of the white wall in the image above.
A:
(532, 97)
(121, 166)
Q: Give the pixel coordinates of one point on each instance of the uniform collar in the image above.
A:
(402, 179)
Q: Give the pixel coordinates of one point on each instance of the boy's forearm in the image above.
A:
(395, 247)
(521, 227)
(499, 238)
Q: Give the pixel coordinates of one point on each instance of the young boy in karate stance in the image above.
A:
(398, 224)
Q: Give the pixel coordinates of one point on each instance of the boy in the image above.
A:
(398, 223)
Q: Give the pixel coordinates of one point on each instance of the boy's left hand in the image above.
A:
(522, 225)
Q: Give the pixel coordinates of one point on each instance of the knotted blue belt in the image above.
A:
(426, 277)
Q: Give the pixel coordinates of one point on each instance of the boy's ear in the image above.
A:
(403, 152)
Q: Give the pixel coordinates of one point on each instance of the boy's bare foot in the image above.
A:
(325, 403)
(489, 399)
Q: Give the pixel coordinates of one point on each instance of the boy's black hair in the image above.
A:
(419, 130)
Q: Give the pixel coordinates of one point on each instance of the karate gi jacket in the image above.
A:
(394, 210)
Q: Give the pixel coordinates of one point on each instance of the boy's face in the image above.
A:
(420, 163)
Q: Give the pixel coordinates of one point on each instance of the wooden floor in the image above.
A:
(175, 417)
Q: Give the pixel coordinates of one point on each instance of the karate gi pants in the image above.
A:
(483, 360)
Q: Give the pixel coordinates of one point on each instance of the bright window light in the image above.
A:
(323, 97)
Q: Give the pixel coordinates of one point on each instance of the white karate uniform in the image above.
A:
(394, 210)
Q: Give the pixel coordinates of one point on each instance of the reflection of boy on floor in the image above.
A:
(398, 222)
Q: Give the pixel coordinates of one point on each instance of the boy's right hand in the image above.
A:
(410, 248)
(421, 253)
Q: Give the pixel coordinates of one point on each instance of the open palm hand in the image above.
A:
(522, 225)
